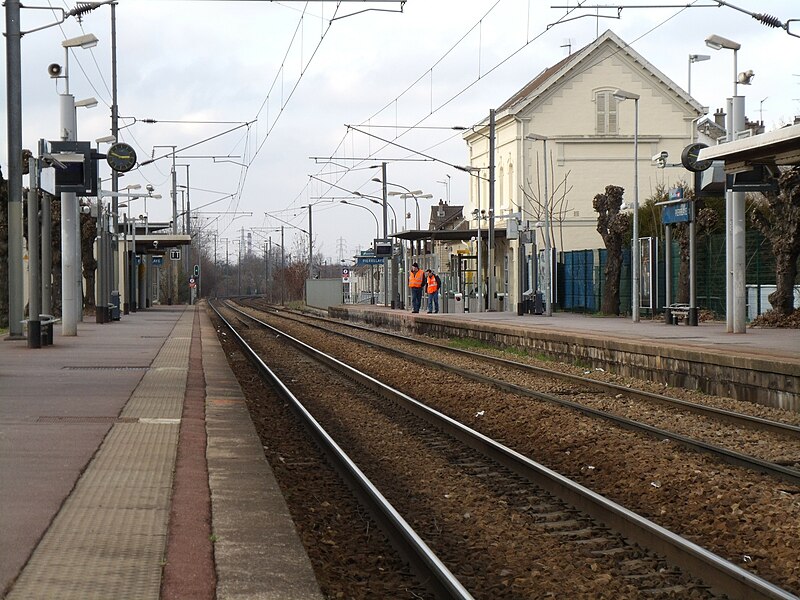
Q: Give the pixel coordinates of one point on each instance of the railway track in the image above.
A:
(491, 487)
(760, 444)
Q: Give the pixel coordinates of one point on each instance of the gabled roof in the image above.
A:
(561, 70)
(450, 218)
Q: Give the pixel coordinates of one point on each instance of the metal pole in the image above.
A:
(478, 272)
(69, 216)
(385, 237)
(174, 269)
(34, 299)
(134, 270)
(14, 119)
(739, 238)
(492, 283)
(283, 266)
(47, 255)
(115, 133)
(310, 246)
(99, 303)
(547, 250)
(635, 257)
(729, 234)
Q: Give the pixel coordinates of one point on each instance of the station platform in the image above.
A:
(761, 365)
(130, 469)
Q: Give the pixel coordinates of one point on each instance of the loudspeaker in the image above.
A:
(54, 70)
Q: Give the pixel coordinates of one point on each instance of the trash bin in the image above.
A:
(460, 302)
(115, 305)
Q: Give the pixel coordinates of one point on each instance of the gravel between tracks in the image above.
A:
(752, 520)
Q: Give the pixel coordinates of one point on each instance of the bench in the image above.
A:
(46, 323)
(675, 313)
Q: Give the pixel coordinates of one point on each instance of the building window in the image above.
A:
(606, 107)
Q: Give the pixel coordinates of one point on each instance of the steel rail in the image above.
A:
(432, 572)
(728, 456)
(730, 416)
(714, 570)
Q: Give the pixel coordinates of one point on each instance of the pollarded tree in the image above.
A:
(777, 217)
(612, 225)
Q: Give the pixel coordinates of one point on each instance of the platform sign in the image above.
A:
(676, 213)
(369, 260)
(157, 260)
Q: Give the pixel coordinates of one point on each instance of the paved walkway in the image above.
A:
(784, 343)
(89, 433)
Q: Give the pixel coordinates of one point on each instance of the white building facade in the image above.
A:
(590, 144)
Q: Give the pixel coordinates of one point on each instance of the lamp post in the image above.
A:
(477, 214)
(623, 95)
(735, 289)
(71, 288)
(397, 275)
(693, 58)
(377, 235)
(548, 275)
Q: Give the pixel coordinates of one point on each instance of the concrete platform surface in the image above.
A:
(89, 430)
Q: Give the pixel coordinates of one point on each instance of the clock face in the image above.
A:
(689, 158)
(121, 157)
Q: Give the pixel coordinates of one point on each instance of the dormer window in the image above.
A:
(606, 111)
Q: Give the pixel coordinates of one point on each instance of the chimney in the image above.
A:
(719, 118)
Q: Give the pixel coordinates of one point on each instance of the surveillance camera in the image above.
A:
(155, 243)
(663, 155)
(54, 70)
(149, 187)
(86, 210)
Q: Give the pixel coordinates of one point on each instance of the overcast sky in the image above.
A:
(284, 79)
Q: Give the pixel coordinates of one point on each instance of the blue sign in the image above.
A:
(157, 261)
(369, 260)
(676, 213)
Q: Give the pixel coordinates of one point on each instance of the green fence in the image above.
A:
(581, 279)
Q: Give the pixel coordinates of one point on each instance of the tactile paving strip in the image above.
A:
(108, 539)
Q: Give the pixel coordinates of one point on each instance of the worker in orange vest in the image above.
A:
(432, 285)
(415, 282)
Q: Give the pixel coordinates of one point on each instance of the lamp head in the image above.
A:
(623, 95)
(698, 57)
(717, 42)
(86, 102)
(377, 179)
(84, 41)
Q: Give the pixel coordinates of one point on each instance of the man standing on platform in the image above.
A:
(432, 285)
(415, 282)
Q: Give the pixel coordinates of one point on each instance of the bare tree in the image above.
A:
(777, 217)
(612, 225)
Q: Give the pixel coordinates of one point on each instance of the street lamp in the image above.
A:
(622, 95)
(377, 236)
(377, 225)
(735, 313)
(548, 275)
(478, 214)
(71, 280)
(693, 58)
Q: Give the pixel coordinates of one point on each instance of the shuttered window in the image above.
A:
(606, 107)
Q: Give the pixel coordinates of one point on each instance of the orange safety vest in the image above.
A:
(432, 286)
(415, 279)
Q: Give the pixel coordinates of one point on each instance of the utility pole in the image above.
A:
(492, 282)
(14, 103)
